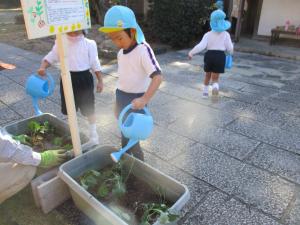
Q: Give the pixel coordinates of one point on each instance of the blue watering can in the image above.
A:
(228, 63)
(136, 127)
(38, 88)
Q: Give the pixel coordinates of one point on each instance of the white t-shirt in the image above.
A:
(82, 54)
(214, 41)
(135, 68)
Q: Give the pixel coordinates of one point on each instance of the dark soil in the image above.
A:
(49, 139)
(47, 142)
(137, 193)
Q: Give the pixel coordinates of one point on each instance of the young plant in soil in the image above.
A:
(151, 211)
(42, 136)
(117, 188)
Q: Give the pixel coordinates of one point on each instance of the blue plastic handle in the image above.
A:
(228, 63)
(125, 110)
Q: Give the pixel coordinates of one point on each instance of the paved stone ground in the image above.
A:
(239, 155)
(284, 48)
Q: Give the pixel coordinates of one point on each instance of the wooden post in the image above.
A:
(68, 92)
(239, 21)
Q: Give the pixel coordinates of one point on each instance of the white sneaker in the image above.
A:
(205, 95)
(215, 89)
(93, 141)
(205, 91)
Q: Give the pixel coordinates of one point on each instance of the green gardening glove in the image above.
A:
(52, 158)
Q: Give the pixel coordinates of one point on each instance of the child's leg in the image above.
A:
(215, 81)
(84, 96)
(206, 83)
(122, 100)
(93, 135)
(135, 150)
(207, 78)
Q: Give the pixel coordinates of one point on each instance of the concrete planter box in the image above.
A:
(100, 158)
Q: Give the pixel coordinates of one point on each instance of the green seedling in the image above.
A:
(57, 141)
(110, 182)
(154, 210)
(68, 146)
(89, 179)
(37, 128)
(61, 142)
(23, 138)
(38, 132)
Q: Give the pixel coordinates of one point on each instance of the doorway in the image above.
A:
(249, 17)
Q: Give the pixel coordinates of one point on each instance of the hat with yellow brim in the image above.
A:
(118, 18)
(110, 29)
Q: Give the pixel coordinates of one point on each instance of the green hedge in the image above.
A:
(178, 22)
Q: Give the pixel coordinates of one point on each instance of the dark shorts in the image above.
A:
(214, 61)
(122, 100)
(83, 90)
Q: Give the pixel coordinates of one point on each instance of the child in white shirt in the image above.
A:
(82, 57)
(138, 70)
(216, 42)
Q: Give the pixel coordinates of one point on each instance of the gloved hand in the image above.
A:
(52, 158)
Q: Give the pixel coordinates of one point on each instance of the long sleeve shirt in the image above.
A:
(214, 41)
(13, 151)
(82, 54)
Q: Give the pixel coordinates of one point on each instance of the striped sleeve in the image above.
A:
(149, 62)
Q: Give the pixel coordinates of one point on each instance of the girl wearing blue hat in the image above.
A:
(139, 74)
(216, 42)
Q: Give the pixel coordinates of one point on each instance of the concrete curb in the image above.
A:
(267, 53)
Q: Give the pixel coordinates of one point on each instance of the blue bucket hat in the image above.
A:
(118, 18)
(220, 4)
(218, 22)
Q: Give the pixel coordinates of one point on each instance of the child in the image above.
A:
(139, 74)
(83, 56)
(216, 41)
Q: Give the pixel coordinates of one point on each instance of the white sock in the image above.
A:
(215, 86)
(205, 88)
(93, 130)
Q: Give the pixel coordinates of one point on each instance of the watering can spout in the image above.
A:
(116, 156)
(136, 127)
(36, 106)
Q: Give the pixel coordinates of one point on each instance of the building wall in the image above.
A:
(276, 13)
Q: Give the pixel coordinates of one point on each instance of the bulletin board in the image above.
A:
(49, 17)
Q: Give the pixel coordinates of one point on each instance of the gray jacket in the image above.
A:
(14, 151)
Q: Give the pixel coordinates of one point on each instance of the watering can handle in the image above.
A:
(126, 109)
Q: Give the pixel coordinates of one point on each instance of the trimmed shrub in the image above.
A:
(178, 22)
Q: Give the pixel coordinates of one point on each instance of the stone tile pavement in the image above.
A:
(239, 155)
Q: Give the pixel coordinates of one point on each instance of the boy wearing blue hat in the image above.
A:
(139, 74)
(216, 42)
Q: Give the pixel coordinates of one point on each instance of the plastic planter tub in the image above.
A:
(62, 128)
(100, 158)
